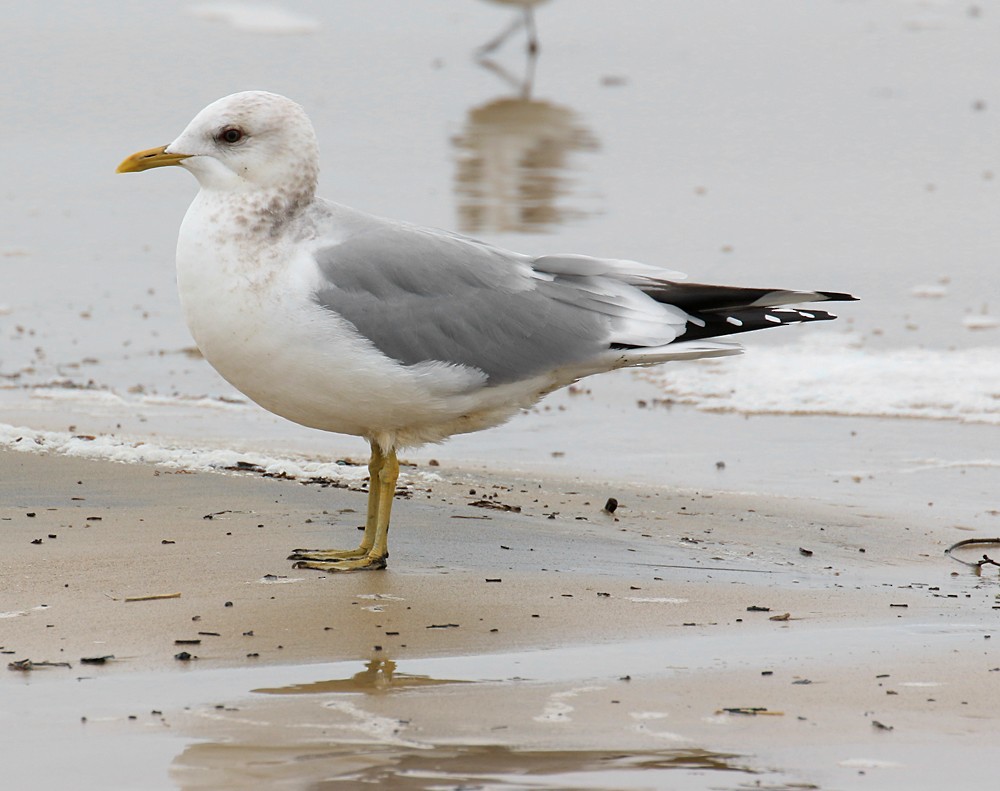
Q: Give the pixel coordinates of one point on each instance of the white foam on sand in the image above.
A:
(836, 375)
(111, 448)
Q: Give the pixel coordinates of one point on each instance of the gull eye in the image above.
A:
(231, 135)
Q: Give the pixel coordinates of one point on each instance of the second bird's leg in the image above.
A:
(383, 470)
(529, 24)
(494, 43)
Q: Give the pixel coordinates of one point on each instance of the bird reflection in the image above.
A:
(526, 20)
(379, 675)
(513, 159)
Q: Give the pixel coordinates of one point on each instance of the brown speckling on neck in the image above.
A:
(269, 211)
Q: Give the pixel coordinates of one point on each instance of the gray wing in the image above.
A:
(421, 296)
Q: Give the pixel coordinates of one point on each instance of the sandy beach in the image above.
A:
(586, 650)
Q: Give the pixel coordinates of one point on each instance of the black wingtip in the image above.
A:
(837, 296)
(711, 324)
(700, 297)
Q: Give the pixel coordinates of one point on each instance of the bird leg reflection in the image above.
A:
(527, 21)
(383, 471)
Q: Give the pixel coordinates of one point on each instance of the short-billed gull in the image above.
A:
(400, 334)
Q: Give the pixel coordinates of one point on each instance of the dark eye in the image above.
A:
(231, 134)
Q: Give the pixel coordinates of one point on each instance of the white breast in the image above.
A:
(250, 309)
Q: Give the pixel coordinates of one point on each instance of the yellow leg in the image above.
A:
(371, 520)
(383, 470)
(388, 476)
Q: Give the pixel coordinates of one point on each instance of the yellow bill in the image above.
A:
(150, 158)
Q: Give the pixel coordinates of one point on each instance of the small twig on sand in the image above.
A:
(151, 597)
(27, 664)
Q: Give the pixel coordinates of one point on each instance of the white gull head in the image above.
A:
(249, 142)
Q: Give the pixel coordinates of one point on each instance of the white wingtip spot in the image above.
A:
(771, 318)
(734, 321)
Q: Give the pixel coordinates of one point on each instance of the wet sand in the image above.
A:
(586, 649)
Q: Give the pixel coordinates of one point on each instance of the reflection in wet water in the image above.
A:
(512, 167)
(355, 731)
(318, 766)
(514, 172)
(379, 675)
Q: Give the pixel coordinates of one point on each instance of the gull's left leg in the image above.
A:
(388, 476)
(374, 550)
(371, 520)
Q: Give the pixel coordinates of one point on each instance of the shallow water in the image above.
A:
(381, 721)
(489, 767)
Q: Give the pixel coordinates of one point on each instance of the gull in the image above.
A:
(404, 335)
